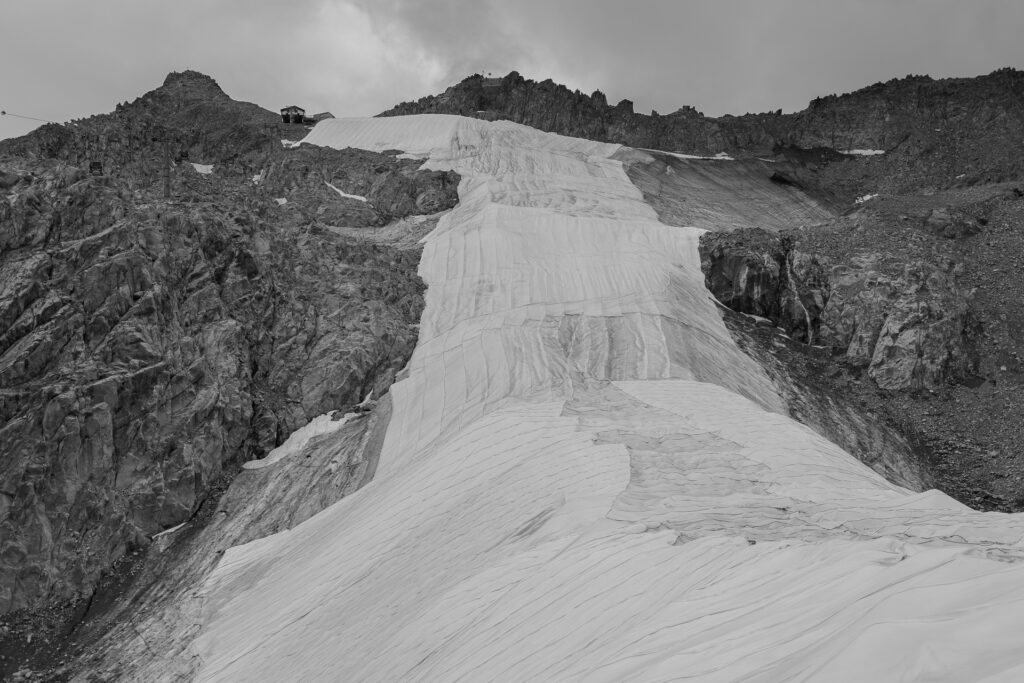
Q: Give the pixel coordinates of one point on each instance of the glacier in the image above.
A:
(585, 479)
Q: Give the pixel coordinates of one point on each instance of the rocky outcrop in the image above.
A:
(908, 325)
(149, 346)
(755, 272)
(911, 329)
(312, 177)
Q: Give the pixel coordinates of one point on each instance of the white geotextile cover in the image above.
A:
(318, 426)
(585, 479)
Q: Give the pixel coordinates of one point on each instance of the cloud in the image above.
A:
(730, 56)
(324, 55)
(464, 37)
(61, 59)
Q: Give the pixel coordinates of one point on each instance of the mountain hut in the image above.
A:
(293, 114)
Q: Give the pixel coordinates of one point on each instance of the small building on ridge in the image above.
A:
(293, 114)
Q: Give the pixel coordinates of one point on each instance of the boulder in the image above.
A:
(944, 223)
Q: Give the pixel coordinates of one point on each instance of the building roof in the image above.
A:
(293, 108)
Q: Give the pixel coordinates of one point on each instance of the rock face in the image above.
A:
(911, 329)
(752, 271)
(160, 609)
(908, 325)
(931, 130)
(148, 346)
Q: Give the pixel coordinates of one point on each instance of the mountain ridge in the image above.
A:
(976, 119)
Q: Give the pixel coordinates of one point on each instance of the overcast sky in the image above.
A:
(64, 59)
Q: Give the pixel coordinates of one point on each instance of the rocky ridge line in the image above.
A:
(941, 132)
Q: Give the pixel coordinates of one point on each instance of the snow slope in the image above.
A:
(585, 479)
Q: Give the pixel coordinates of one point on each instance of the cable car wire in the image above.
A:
(19, 116)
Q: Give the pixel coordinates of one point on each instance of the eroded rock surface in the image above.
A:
(908, 324)
(149, 345)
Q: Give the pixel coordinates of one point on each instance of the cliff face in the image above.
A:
(148, 345)
(931, 130)
(905, 321)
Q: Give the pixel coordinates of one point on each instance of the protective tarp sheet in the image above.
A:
(585, 479)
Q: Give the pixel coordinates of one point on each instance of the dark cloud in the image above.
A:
(65, 58)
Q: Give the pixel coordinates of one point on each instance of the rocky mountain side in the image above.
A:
(150, 344)
(189, 112)
(957, 131)
(907, 304)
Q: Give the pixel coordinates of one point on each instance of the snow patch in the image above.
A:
(862, 152)
(281, 201)
(167, 532)
(865, 198)
(290, 144)
(721, 156)
(321, 424)
(205, 169)
(345, 194)
(759, 319)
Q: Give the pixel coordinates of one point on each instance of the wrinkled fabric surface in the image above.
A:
(585, 479)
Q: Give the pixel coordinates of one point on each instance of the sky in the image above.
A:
(65, 59)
